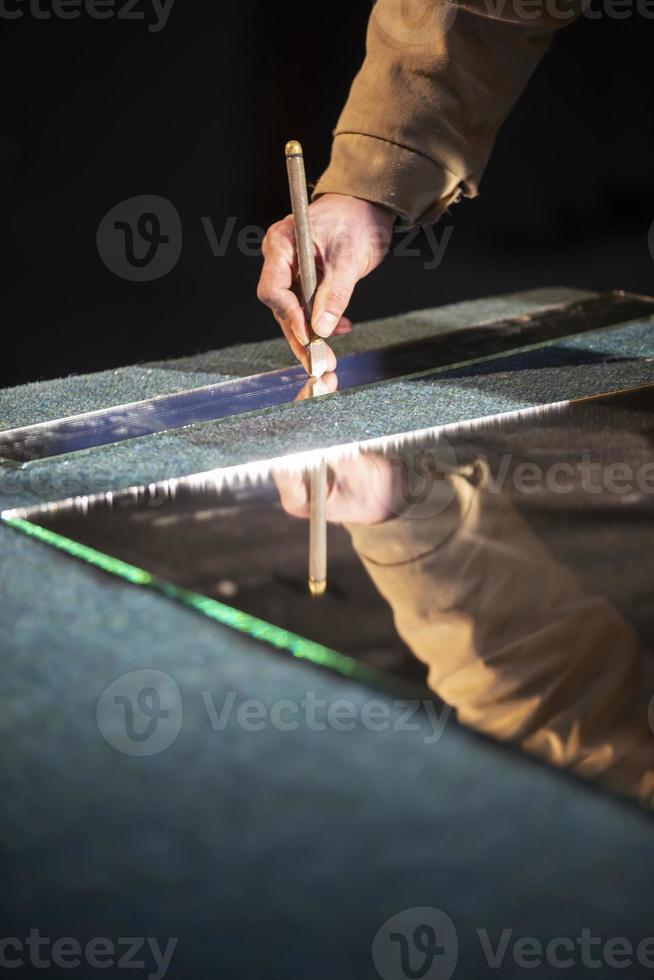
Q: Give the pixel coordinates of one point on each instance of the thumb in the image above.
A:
(332, 297)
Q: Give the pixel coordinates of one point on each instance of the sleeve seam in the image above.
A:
(407, 148)
(424, 554)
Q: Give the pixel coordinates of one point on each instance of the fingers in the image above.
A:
(299, 350)
(293, 491)
(326, 385)
(351, 236)
(343, 326)
(275, 287)
(334, 294)
(329, 358)
(295, 494)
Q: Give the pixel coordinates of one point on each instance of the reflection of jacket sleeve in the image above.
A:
(438, 79)
(510, 638)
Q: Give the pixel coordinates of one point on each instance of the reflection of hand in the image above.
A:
(363, 489)
(326, 385)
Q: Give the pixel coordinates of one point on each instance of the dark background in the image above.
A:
(96, 111)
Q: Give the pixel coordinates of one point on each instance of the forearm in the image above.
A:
(510, 638)
(424, 110)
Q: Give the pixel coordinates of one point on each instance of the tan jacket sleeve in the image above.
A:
(510, 638)
(438, 79)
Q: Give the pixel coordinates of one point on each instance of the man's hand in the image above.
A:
(363, 489)
(351, 238)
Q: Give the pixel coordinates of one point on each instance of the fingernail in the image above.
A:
(324, 325)
(320, 387)
(301, 336)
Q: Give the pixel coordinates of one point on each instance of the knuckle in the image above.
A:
(276, 238)
(344, 250)
(268, 242)
(338, 296)
(263, 294)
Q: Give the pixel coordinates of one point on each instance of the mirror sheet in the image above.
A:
(504, 567)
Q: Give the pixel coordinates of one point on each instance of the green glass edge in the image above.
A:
(235, 619)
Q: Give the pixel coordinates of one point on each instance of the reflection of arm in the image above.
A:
(438, 80)
(510, 638)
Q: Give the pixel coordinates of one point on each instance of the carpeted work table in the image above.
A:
(281, 853)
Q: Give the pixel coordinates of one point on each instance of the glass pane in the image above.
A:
(508, 566)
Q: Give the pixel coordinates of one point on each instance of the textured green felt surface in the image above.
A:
(307, 840)
(75, 394)
(245, 359)
(573, 368)
(275, 853)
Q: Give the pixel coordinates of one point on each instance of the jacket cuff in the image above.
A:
(405, 181)
(421, 528)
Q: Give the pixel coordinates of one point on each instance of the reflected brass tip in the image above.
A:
(317, 588)
(293, 148)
